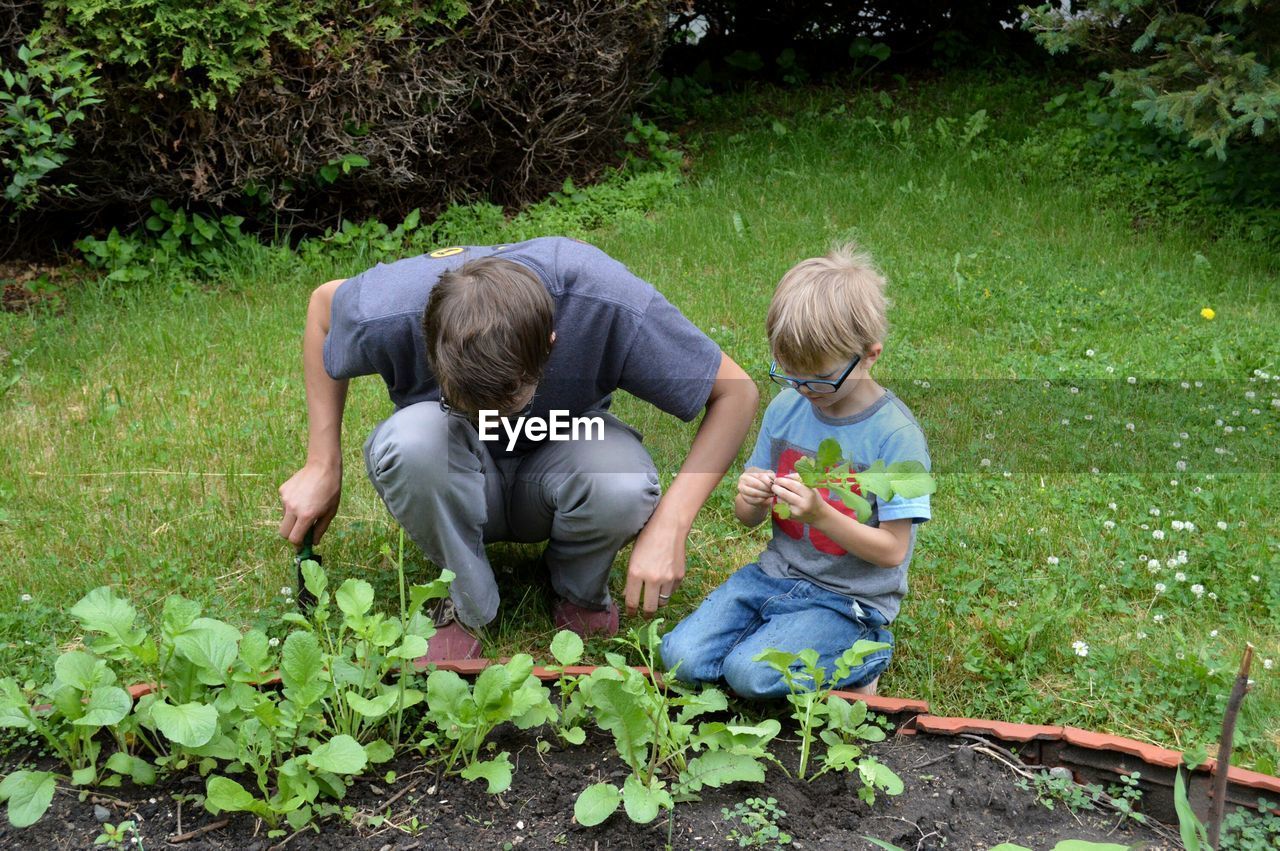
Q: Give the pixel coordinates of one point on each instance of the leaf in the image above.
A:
(856, 655)
(861, 508)
(29, 794)
(354, 597)
(375, 708)
(643, 802)
(179, 612)
(1086, 845)
(313, 578)
(567, 647)
(716, 768)
(707, 700)
(340, 755)
(102, 611)
(1194, 836)
(829, 453)
(190, 725)
(139, 770)
(222, 794)
(212, 646)
(574, 735)
(493, 686)
(885, 779)
(379, 751)
(255, 651)
(910, 479)
(780, 660)
(412, 647)
(496, 772)
(875, 479)
(82, 671)
(436, 589)
(302, 661)
(622, 713)
(596, 803)
(107, 705)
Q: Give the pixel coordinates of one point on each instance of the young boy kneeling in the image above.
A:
(825, 581)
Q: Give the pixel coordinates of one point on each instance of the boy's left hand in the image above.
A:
(807, 505)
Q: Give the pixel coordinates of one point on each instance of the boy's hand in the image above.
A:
(755, 486)
(807, 505)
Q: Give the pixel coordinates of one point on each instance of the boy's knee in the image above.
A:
(753, 680)
(676, 656)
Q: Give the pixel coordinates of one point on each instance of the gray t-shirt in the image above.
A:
(613, 331)
(883, 431)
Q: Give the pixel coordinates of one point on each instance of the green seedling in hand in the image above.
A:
(908, 479)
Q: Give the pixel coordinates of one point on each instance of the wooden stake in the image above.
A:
(1223, 768)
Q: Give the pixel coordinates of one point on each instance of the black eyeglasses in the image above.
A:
(821, 386)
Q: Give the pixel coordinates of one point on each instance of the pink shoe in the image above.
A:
(452, 642)
(869, 689)
(586, 621)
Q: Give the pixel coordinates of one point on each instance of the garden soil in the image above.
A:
(956, 798)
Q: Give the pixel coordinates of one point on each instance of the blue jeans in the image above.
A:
(752, 612)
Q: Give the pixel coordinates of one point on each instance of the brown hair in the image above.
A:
(827, 307)
(488, 327)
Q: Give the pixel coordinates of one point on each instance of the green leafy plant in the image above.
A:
(567, 649)
(41, 98)
(649, 720)
(755, 823)
(463, 716)
(118, 835)
(829, 470)
(842, 726)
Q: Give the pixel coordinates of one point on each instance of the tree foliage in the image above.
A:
(1203, 71)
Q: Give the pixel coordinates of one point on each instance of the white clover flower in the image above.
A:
(1199, 384)
(1088, 418)
(1222, 524)
(1189, 526)
(1177, 444)
(1217, 422)
(1158, 618)
(1160, 587)
(1213, 596)
(1267, 664)
(1158, 534)
(1173, 483)
(1052, 559)
(1254, 411)
(25, 598)
(1275, 403)
(1180, 656)
(1141, 635)
(1180, 576)
(1171, 562)
(1143, 526)
(1255, 577)
(1186, 385)
(1081, 648)
(1213, 633)
(1066, 421)
(273, 642)
(1013, 604)
(1177, 525)
(1228, 430)
(1111, 505)
(1129, 426)
(1183, 435)
(989, 436)
(1154, 512)
(1182, 556)
(286, 591)
(985, 462)
(1089, 353)
(1075, 390)
(1220, 450)
(1153, 565)
(1131, 380)
(1111, 369)
(1108, 524)
(1197, 589)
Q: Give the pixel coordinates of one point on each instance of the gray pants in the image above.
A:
(588, 497)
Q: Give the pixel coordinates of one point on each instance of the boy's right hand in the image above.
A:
(755, 486)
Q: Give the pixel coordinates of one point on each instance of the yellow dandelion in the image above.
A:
(1208, 313)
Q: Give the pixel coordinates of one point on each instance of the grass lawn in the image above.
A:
(1041, 333)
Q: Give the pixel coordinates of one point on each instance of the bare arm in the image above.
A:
(310, 497)
(658, 559)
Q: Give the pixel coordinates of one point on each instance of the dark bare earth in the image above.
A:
(955, 798)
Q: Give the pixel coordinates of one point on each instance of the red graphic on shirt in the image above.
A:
(793, 528)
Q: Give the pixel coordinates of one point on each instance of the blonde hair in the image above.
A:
(827, 307)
